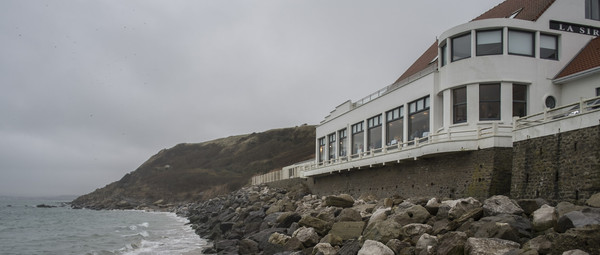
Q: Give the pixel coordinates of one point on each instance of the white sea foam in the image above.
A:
(145, 224)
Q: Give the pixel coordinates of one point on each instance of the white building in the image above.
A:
(519, 58)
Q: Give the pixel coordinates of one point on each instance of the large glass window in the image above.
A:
(489, 42)
(358, 136)
(418, 124)
(343, 140)
(519, 100)
(395, 126)
(461, 47)
(592, 9)
(520, 43)
(443, 50)
(548, 46)
(374, 138)
(331, 140)
(489, 102)
(598, 92)
(321, 149)
(459, 105)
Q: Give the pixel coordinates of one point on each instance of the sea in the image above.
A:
(28, 229)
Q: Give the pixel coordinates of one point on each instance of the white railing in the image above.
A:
(403, 150)
(558, 113)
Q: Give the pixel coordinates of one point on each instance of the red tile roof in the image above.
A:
(422, 62)
(527, 10)
(588, 58)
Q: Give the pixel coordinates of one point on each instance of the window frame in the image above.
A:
(390, 119)
(589, 8)
(555, 43)
(443, 52)
(477, 50)
(498, 101)
(453, 39)
(519, 101)
(342, 141)
(358, 128)
(321, 142)
(456, 104)
(374, 123)
(331, 142)
(532, 46)
(425, 103)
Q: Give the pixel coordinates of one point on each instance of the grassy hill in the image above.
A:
(192, 172)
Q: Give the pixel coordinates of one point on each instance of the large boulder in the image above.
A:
(325, 249)
(426, 244)
(575, 252)
(415, 230)
(321, 226)
(349, 214)
(348, 229)
(530, 205)
(382, 231)
(332, 239)
(500, 205)
(278, 238)
(594, 200)
(397, 245)
(452, 243)
(308, 236)
(461, 206)
(563, 208)
(413, 214)
(584, 238)
(379, 215)
(247, 246)
(544, 218)
(542, 244)
(489, 246)
(343, 200)
(285, 220)
(350, 247)
(505, 226)
(371, 247)
(577, 219)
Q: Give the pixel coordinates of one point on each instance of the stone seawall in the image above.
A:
(480, 174)
(564, 166)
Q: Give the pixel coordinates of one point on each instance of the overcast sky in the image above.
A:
(92, 89)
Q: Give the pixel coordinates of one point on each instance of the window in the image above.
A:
(548, 47)
(489, 42)
(519, 100)
(598, 92)
(331, 140)
(520, 43)
(489, 102)
(459, 105)
(592, 9)
(443, 50)
(374, 137)
(321, 149)
(357, 138)
(418, 125)
(342, 145)
(395, 126)
(461, 47)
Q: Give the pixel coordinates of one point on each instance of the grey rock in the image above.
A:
(544, 218)
(350, 247)
(278, 238)
(382, 231)
(332, 239)
(530, 205)
(426, 244)
(247, 246)
(324, 249)
(461, 206)
(308, 236)
(349, 214)
(563, 208)
(500, 205)
(415, 230)
(294, 244)
(348, 229)
(594, 200)
(397, 245)
(575, 252)
(452, 243)
(542, 244)
(286, 219)
(577, 219)
(584, 238)
(489, 246)
(413, 214)
(371, 247)
(343, 200)
(321, 226)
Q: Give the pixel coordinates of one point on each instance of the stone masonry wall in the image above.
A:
(564, 166)
(471, 173)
